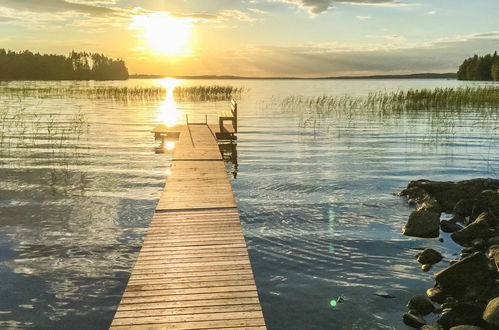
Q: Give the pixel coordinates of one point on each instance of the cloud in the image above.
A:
(363, 18)
(195, 17)
(258, 11)
(432, 12)
(319, 6)
(52, 6)
(337, 59)
(237, 14)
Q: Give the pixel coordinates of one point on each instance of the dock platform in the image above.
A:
(193, 271)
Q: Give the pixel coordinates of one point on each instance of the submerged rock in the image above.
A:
(421, 305)
(429, 256)
(472, 269)
(423, 223)
(491, 313)
(414, 321)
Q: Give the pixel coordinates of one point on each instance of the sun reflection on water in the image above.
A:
(168, 113)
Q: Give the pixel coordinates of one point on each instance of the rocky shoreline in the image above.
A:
(466, 293)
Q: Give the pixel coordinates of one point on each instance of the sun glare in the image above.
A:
(164, 34)
(168, 113)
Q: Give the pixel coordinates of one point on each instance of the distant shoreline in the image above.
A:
(228, 77)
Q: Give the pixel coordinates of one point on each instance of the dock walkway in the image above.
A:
(193, 271)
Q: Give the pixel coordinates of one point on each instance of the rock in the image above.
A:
(448, 194)
(436, 294)
(493, 251)
(429, 327)
(466, 327)
(469, 250)
(421, 305)
(491, 313)
(479, 243)
(463, 208)
(472, 292)
(449, 226)
(493, 240)
(413, 320)
(423, 223)
(489, 218)
(425, 267)
(478, 229)
(489, 199)
(472, 269)
(463, 313)
(429, 256)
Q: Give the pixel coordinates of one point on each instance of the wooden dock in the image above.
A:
(193, 271)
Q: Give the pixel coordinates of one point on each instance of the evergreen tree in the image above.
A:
(77, 66)
(483, 68)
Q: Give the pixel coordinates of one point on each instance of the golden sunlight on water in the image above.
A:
(168, 113)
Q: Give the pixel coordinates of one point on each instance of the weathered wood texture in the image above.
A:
(193, 271)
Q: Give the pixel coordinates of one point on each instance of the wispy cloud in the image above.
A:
(53, 6)
(237, 14)
(432, 12)
(319, 6)
(258, 11)
(363, 18)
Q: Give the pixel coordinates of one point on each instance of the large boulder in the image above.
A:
(478, 229)
(429, 256)
(469, 270)
(423, 223)
(491, 313)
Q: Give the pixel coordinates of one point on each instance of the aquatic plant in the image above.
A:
(461, 98)
(181, 93)
(26, 137)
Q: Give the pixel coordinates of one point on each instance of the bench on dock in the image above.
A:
(229, 115)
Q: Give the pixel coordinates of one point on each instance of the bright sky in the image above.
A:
(259, 37)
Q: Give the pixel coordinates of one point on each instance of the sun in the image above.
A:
(164, 34)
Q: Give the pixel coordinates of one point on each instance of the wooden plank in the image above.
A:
(193, 270)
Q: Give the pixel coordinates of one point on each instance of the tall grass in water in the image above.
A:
(49, 144)
(454, 99)
(442, 110)
(192, 93)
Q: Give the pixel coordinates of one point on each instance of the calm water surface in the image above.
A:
(316, 197)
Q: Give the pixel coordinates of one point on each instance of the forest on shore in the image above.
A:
(26, 65)
(485, 68)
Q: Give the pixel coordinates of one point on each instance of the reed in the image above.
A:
(127, 94)
(27, 137)
(413, 100)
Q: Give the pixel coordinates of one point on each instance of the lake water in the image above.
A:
(79, 182)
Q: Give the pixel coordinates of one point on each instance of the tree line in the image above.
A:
(26, 65)
(480, 68)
